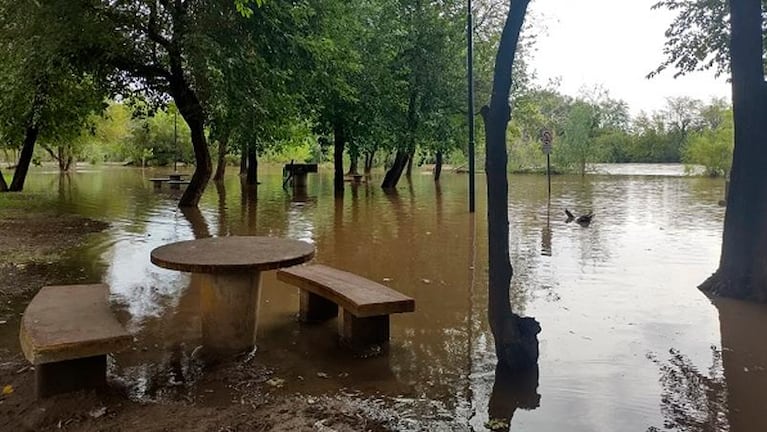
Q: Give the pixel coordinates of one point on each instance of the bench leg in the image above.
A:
(229, 313)
(157, 185)
(314, 308)
(363, 332)
(299, 180)
(70, 375)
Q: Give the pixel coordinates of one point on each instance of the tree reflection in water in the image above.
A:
(511, 390)
(691, 400)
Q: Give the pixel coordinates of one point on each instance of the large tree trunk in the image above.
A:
(438, 166)
(743, 265)
(221, 164)
(338, 156)
(395, 172)
(20, 176)
(516, 342)
(190, 108)
(251, 179)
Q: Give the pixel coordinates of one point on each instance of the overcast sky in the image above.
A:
(614, 43)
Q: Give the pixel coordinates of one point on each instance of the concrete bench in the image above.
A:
(366, 304)
(157, 182)
(66, 333)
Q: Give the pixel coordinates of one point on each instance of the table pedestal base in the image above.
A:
(229, 306)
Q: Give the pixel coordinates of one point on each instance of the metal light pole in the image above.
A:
(175, 139)
(470, 67)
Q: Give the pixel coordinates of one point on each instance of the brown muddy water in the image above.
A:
(628, 342)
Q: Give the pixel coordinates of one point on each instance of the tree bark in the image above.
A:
(395, 172)
(516, 343)
(438, 166)
(251, 179)
(221, 164)
(742, 269)
(25, 159)
(338, 156)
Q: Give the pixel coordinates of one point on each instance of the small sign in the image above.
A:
(546, 138)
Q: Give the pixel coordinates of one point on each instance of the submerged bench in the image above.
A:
(157, 182)
(66, 333)
(366, 304)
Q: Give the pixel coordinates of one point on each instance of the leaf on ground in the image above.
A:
(7, 390)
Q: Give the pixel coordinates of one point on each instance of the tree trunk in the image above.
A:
(221, 164)
(742, 269)
(409, 171)
(338, 156)
(243, 162)
(438, 166)
(190, 108)
(354, 156)
(516, 342)
(252, 174)
(3, 184)
(395, 172)
(20, 176)
(369, 157)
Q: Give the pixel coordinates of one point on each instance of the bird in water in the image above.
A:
(583, 220)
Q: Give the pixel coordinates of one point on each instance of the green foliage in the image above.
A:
(713, 148)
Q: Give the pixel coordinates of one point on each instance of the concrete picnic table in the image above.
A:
(230, 270)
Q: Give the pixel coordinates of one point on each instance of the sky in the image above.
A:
(615, 44)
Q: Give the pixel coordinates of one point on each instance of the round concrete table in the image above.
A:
(229, 269)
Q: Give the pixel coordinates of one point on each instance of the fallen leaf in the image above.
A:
(276, 382)
(426, 281)
(98, 412)
(7, 390)
(322, 375)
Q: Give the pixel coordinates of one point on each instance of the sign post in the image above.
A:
(546, 139)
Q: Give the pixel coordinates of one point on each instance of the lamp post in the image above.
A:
(470, 67)
(175, 139)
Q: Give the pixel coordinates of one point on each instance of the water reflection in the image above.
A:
(610, 294)
(511, 391)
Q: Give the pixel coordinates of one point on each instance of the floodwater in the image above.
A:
(628, 342)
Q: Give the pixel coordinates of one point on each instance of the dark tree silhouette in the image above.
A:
(743, 265)
(511, 391)
(516, 342)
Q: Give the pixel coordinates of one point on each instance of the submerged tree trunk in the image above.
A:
(338, 156)
(409, 171)
(395, 172)
(516, 342)
(438, 166)
(251, 179)
(25, 159)
(354, 156)
(369, 157)
(742, 269)
(243, 161)
(221, 164)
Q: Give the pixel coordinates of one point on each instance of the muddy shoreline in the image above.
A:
(232, 396)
